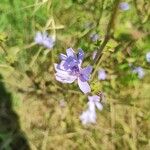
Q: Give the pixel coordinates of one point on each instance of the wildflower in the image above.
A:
(124, 6)
(139, 71)
(94, 54)
(94, 37)
(89, 116)
(70, 70)
(148, 57)
(102, 74)
(94, 101)
(44, 39)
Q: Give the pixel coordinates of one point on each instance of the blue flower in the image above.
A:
(124, 6)
(139, 71)
(70, 70)
(44, 39)
(102, 74)
(94, 101)
(94, 37)
(148, 57)
(89, 116)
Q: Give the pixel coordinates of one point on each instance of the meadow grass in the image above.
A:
(28, 73)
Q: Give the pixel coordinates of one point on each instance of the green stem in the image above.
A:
(35, 57)
(109, 28)
(101, 12)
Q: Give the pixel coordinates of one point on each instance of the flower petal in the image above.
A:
(88, 117)
(57, 67)
(80, 54)
(63, 75)
(60, 66)
(38, 38)
(91, 106)
(84, 117)
(84, 86)
(85, 73)
(62, 57)
(87, 70)
(44, 39)
(99, 106)
(65, 78)
(48, 43)
(102, 74)
(70, 52)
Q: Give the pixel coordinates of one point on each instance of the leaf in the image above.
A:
(112, 44)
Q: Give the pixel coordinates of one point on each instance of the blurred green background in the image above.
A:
(31, 114)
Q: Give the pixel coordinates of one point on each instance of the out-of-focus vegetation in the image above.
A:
(48, 110)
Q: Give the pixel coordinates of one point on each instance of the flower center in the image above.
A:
(75, 70)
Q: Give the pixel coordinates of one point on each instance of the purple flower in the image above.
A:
(94, 37)
(148, 57)
(124, 6)
(94, 101)
(70, 70)
(44, 39)
(89, 116)
(102, 74)
(139, 71)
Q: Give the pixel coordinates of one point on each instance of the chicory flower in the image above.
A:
(94, 37)
(124, 6)
(44, 39)
(139, 71)
(94, 101)
(102, 74)
(70, 70)
(89, 116)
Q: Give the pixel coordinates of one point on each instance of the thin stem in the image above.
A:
(35, 57)
(109, 28)
(101, 12)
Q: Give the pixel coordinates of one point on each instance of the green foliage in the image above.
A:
(28, 73)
